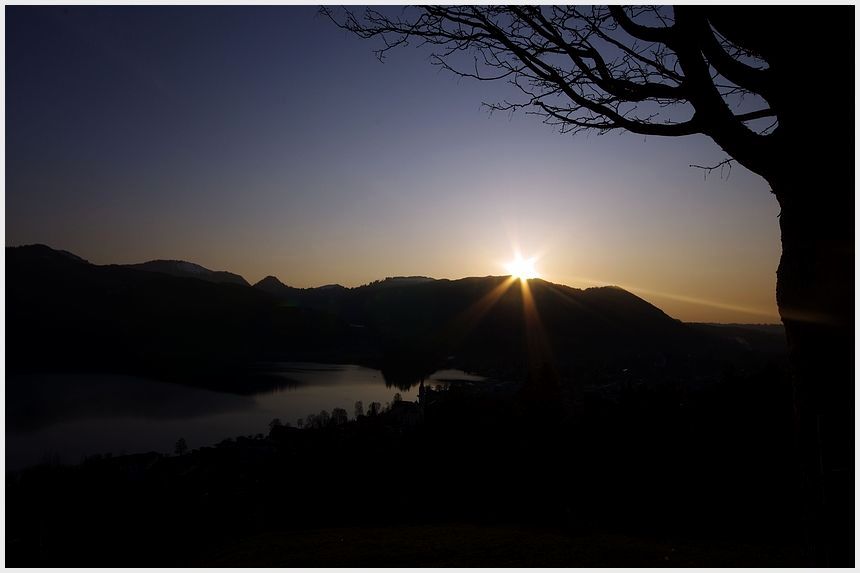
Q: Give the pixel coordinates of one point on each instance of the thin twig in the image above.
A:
(725, 167)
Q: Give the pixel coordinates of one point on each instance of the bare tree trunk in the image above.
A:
(815, 294)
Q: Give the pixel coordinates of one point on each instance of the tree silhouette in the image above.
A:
(772, 87)
(323, 419)
(339, 416)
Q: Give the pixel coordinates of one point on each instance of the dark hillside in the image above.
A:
(188, 270)
(67, 314)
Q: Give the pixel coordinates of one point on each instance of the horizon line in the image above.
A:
(631, 290)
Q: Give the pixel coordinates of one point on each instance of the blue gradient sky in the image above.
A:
(267, 141)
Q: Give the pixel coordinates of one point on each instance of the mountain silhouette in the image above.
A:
(275, 287)
(188, 270)
(64, 313)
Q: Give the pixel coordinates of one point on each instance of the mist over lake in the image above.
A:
(65, 417)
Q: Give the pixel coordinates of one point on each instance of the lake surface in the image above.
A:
(65, 417)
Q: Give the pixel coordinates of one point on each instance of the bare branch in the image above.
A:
(747, 77)
(649, 34)
(725, 167)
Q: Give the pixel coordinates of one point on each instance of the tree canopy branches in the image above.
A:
(598, 68)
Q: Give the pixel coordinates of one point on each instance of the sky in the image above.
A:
(266, 141)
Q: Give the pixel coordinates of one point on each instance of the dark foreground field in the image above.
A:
(476, 545)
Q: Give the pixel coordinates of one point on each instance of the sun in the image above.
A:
(522, 269)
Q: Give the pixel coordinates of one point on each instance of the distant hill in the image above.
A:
(188, 270)
(65, 313)
(44, 253)
(764, 337)
(273, 286)
(323, 298)
(401, 281)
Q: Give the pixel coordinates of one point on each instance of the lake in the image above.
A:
(64, 417)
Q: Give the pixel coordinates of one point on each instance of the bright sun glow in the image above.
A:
(521, 268)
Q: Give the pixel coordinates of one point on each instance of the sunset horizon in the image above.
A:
(689, 309)
(277, 174)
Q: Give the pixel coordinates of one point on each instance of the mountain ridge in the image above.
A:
(186, 269)
(63, 313)
(274, 286)
(269, 283)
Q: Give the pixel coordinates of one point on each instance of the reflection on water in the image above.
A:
(68, 416)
